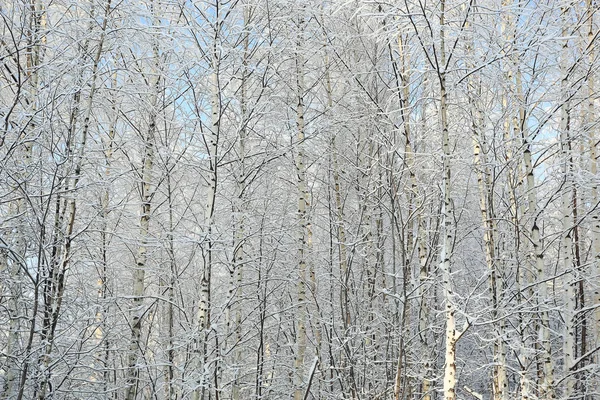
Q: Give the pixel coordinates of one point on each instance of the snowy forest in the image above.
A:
(299, 199)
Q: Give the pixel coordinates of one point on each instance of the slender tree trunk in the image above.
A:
(524, 278)
(489, 239)
(486, 204)
(239, 216)
(452, 335)
(567, 215)
(103, 286)
(425, 280)
(537, 259)
(594, 140)
(344, 273)
(138, 311)
(402, 382)
(212, 141)
(445, 253)
(302, 240)
(169, 344)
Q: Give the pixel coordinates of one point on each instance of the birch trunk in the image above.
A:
(339, 211)
(137, 310)
(452, 335)
(489, 239)
(523, 277)
(594, 140)
(301, 339)
(168, 343)
(103, 286)
(204, 309)
(486, 203)
(567, 215)
(425, 279)
(239, 215)
(363, 188)
(536, 255)
(402, 73)
(341, 233)
(537, 259)
(344, 273)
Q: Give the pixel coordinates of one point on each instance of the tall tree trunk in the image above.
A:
(402, 382)
(138, 311)
(536, 258)
(105, 237)
(169, 344)
(452, 335)
(337, 216)
(302, 239)
(212, 141)
(239, 214)
(567, 215)
(523, 278)
(489, 238)
(594, 140)
(488, 220)
(426, 300)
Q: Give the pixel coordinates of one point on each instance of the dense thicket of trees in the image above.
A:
(273, 199)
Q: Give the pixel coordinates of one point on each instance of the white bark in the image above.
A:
(488, 220)
(137, 310)
(169, 370)
(537, 259)
(239, 217)
(301, 339)
(424, 299)
(594, 140)
(401, 380)
(567, 214)
(103, 286)
(204, 308)
(452, 335)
